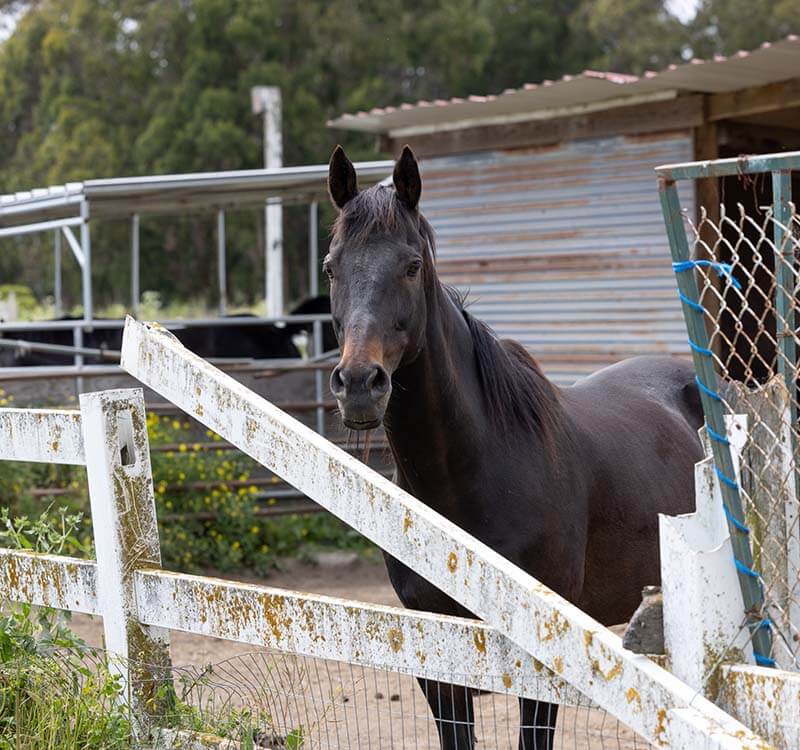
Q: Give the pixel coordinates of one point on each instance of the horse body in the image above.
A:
(580, 515)
(565, 483)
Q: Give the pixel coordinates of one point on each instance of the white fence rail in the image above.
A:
(525, 624)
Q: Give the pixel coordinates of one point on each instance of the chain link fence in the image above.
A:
(744, 260)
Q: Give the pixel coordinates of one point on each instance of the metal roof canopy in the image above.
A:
(590, 90)
(178, 193)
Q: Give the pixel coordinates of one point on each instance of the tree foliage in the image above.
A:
(101, 88)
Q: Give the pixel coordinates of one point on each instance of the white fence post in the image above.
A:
(702, 599)
(126, 538)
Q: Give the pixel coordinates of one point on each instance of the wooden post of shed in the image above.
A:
(707, 216)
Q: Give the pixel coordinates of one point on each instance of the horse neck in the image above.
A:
(435, 420)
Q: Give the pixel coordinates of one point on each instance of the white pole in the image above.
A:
(58, 299)
(266, 100)
(125, 538)
(135, 265)
(86, 271)
(223, 282)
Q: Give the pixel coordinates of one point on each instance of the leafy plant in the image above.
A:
(55, 692)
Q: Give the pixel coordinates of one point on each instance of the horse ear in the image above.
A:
(342, 181)
(407, 181)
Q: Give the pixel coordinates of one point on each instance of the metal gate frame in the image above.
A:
(780, 167)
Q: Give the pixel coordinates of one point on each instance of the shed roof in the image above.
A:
(770, 63)
(124, 196)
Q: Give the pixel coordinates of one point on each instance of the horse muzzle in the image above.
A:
(362, 393)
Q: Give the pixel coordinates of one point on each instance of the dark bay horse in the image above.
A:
(566, 483)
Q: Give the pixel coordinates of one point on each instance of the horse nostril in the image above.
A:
(340, 379)
(377, 382)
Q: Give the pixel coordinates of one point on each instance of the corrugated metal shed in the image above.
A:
(563, 248)
(770, 63)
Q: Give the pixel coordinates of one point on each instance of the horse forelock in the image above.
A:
(378, 212)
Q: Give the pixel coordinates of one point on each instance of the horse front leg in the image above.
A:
(537, 725)
(452, 709)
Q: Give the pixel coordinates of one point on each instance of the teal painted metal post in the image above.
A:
(785, 278)
(752, 593)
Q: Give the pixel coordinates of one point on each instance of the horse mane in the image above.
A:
(514, 387)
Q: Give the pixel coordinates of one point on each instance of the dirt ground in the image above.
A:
(339, 706)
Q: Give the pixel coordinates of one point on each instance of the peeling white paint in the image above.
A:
(703, 607)
(49, 581)
(126, 539)
(583, 652)
(417, 643)
(52, 437)
(768, 700)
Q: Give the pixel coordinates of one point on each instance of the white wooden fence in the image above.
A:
(525, 625)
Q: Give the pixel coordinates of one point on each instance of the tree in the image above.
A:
(727, 26)
(100, 88)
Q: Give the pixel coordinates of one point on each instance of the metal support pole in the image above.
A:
(86, 271)
(221, 264)
(318, 380)
(785, 286)
(57, 291)
(136, 294)
(752, 593)
(313, 291)
(313, 250)
(266, 100)
(77, 342)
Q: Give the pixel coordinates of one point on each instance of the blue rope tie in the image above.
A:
(703, 387)
(696, 306)
(700, 349)
(714, 435)
(742, 568)
(735, 521)
(730, 482)
(725, 270)
(761, 660)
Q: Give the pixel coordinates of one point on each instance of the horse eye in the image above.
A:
(413, 269)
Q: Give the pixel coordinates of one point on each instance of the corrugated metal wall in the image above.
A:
(563, 248)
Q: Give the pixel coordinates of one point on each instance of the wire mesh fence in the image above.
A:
(314, 703)
(745, 262)
(272, 700)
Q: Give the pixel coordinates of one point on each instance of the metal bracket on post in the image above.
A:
(752, 593)
(126, 539)
(74, 245)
